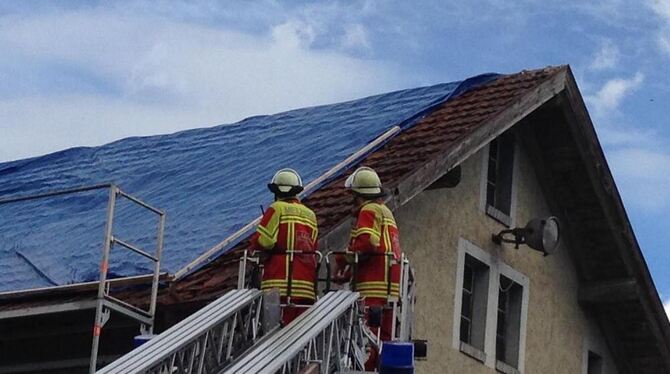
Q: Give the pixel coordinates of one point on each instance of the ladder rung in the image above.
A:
(134, 249)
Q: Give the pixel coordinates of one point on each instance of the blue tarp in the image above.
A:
(210, 182)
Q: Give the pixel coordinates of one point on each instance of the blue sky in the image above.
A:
(86, 73)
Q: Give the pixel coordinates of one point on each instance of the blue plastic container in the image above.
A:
(141, 339)
(397, 358)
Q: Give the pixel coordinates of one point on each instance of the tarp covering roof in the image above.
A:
(210, 181)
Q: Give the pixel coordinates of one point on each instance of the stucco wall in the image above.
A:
(558, 330)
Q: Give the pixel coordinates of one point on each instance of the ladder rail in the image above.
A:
(284, 349)
(202, 337)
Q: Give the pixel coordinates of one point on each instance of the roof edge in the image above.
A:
(610, 199)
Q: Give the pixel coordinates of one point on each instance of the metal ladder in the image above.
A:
(327, 335)
(206, 340)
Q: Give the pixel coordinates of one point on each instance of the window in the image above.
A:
(595, 364)
(491, 307)
(508, 323)
(473, 303)
(499, 178)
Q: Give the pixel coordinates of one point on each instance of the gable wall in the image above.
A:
(558, 330)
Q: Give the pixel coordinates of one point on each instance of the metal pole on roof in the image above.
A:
(101, 313)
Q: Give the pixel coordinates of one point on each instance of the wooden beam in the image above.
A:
(608, 292)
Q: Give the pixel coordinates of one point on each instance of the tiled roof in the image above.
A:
(437, 132)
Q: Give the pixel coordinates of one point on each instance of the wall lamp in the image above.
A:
(540, 234)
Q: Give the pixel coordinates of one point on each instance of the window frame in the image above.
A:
(501, 365)
(479, 293)
(496, 269)
(490, 210)
(591, 343)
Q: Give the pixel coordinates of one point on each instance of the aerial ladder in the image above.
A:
(239, 332)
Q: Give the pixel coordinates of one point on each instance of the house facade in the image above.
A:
(463, 275)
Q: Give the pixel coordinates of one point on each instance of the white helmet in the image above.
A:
(365, 181)
(286, 182)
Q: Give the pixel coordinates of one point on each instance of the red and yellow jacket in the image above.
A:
(376, 232)
(288, 225)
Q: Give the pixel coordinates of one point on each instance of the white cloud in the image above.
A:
(607, 57)
(667, 308)
(661, 8)
(164, 74)
(608, 98)
(294, 34)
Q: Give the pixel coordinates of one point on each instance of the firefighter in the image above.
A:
(374, 238)
(288, 225)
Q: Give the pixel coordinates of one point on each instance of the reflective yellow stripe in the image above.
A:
(263, 231)
(305, 295)
(285, 287)
(269, 232)
(294, 282)
(295, 292)
(365, 230)
(298, 219)
(388, 221)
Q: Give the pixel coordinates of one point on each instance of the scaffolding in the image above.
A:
(105, 302)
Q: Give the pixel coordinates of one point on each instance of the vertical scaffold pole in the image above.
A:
(157, 268)
(100, 314)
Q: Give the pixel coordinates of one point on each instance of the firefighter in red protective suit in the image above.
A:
(375, 239)
(288, 225)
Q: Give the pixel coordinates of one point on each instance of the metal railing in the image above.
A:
(402, 305)
(207, 340)
(105, 301)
